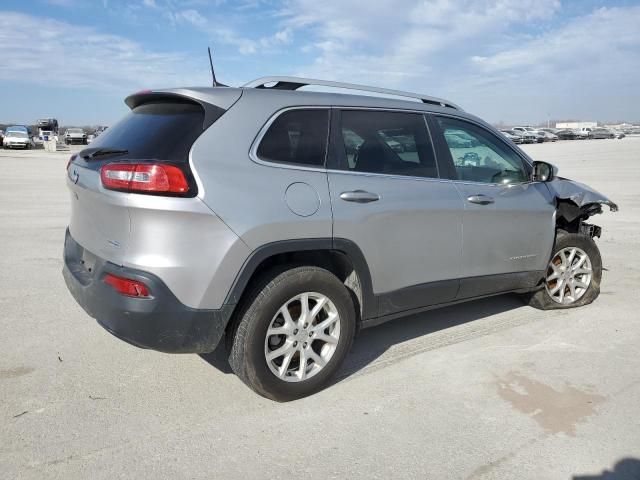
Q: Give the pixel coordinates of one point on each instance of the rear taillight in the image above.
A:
(144, 178)
(126, 286)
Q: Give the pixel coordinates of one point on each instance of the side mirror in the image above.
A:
(543, 172)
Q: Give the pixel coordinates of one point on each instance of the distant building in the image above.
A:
(577, 125)
(620, 126)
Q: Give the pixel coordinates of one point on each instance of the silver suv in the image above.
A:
(285, 220)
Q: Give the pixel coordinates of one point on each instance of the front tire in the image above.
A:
(293, 332)
(573, 275)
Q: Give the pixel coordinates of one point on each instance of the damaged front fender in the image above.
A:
(578, 193)
(576, 202)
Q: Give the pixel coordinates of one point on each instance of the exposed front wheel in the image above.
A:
(294, 331)
(573, 275)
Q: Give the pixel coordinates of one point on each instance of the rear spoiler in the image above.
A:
(211, 112)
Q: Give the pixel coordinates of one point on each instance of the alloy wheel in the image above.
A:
(302, 337)
(568, 275)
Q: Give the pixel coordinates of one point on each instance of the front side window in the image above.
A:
(393, 143)
(297, 137)
(480, 156)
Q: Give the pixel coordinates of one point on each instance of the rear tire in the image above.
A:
(573, 275)
(275, 304)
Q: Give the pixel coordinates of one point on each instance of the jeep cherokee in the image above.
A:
(284, 220)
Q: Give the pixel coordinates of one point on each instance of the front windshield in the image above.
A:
(18, 134)
(75, 130)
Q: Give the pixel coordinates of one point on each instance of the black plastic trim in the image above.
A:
(386, 306)
(432, 295)
(347, 247)
(160, 322)
(336, 159)
(417, 296)
(443, 156)
(505, 282)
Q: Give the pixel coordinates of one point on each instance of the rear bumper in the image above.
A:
(160, 322)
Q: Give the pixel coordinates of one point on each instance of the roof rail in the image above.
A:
(293, 83)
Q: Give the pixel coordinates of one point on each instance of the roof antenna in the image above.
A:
(213, 73)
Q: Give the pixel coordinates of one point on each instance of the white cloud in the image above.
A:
(499, 58)
(397, 37)
(192, 17)
(54, 53)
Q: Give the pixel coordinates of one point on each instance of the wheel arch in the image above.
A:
(342, 257)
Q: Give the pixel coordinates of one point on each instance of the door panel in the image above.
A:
(512, 234)
(412, 235)
(508, 221)
(385, 198)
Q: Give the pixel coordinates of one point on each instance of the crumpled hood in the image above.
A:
(578, 193)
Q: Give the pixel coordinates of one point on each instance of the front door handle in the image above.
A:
(359, 196)
(480, 199)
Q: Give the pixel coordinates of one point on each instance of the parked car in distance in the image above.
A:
(75, 135)
(619, 134)
(460, 139)
(513, 137)
(17, 139)
(527, 137)
(584, 132)
(548, 136)
(567, 134)
(239, 215)
(539, 138)
(18, 128)
(601, 133)
(1, 137)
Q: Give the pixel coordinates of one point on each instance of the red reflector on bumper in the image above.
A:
(126, 286)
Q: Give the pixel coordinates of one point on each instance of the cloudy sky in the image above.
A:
(504, 60)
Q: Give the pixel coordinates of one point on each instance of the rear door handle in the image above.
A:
(480, 199)
(359, 196)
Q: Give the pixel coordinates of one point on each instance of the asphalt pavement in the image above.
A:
(489, 389)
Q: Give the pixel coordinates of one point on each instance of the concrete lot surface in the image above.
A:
(489, 389)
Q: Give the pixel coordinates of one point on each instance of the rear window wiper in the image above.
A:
(89, 153)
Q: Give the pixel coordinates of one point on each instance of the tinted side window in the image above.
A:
(297, 136)
(479, 156)
(393, 143)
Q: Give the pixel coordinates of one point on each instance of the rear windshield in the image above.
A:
(161, 131)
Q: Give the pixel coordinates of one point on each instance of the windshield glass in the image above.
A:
(17, 134)
(74, 130)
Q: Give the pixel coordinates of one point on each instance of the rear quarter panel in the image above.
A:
(249, 196)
